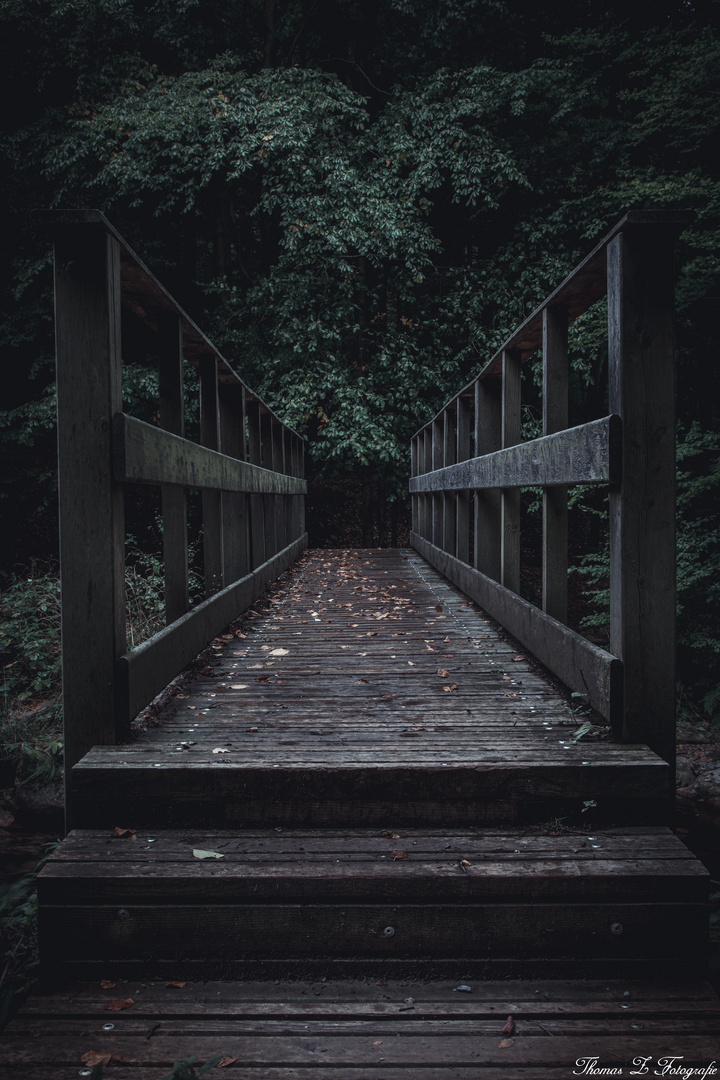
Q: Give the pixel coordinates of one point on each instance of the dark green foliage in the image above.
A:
(358, 202)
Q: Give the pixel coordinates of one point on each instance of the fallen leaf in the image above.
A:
(443, 673)
(225, 1061)
(179, 985)
(465, 864)
(206, 671)
(119, 831)
(378, 1042)
(372, 633)
(279, 652)
(511, 695)
(445, 639)
(517, 659)
(119, 1004)
(449, 689)
(239, 686)
(106, 984)
(509, 1025)
(438, 607)
(190, 706)
(360, 681)
(395, 855)
(239, 634)
(462, 988)
(93, 1058)
(220, 750)
(250, 729)
(200, 853)
(120, 1058)
(504, 1043)
(391, 836)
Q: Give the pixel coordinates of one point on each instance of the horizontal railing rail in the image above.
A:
(248, 466)
(469, 463)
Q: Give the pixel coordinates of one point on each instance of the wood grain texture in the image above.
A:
(587, 454)
(582, 666)
(642, 508)
(341, 1029)
(92, 533)
(147, 455)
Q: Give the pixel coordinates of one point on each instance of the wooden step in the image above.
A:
(228, 784)
(373, 1029)
(504, 903)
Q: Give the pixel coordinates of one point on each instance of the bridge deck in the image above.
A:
(369, 691)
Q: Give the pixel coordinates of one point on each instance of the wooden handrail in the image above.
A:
(632, 451)
(249, 468)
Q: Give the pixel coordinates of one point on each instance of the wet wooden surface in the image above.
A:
(374, 1028)
(369, 690)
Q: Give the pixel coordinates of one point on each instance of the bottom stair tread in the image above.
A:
(219, 901)
(374, 1029)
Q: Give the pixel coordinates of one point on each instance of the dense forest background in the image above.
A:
(357, 202)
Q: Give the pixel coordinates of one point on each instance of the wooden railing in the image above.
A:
(248, 466)
(471, 458)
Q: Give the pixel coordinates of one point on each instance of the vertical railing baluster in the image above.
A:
(462, 453)
(555, 500)
(510, 499)
(268, 500)
(449, 499)
(174, 499)
(415, 523)
(488, 439)
(234, 503)
(211, 500)
(437, 440)
(257, 528)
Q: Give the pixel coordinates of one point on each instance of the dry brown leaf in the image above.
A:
(445, 639)
(119, 831)
(509, 1025)
(107, 984)
(119, 1004)
(279, 652)
(220, 750)
(378, 1042)
(238, 633)
(395, 855)
(517, 659)
(465, 863)
(443, 673)
(438, 607)
(449, 689)
(120, 1058)
(179, 985)
(360, 680)
(93, 1058)
(225, 1061)
(391, 836)
(250, 729)
(239, 686)
(504, 1043)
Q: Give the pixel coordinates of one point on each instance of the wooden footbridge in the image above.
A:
(361, 840)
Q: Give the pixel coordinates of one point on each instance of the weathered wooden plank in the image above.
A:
(148, 455)
(150, 667)
(174, 501)
(555, 506)
(92, 535)
(511, 428)
(642, 509)
(582, 666)
(546, 931)
(437, 438)
(587, 454)
(449, 530)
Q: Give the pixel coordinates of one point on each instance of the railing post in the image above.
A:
(234, 503)
(555, 502)
(174, 499)
(510, 500)
(211, 500)
(427, 467)
(642, 508)
(488, 436)
(92, 530)
(268, 462)
(449, 457)
(278, 443)
(462, 453)
(257, 528)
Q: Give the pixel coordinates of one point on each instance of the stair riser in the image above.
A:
(474, 932)
(233, 798)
